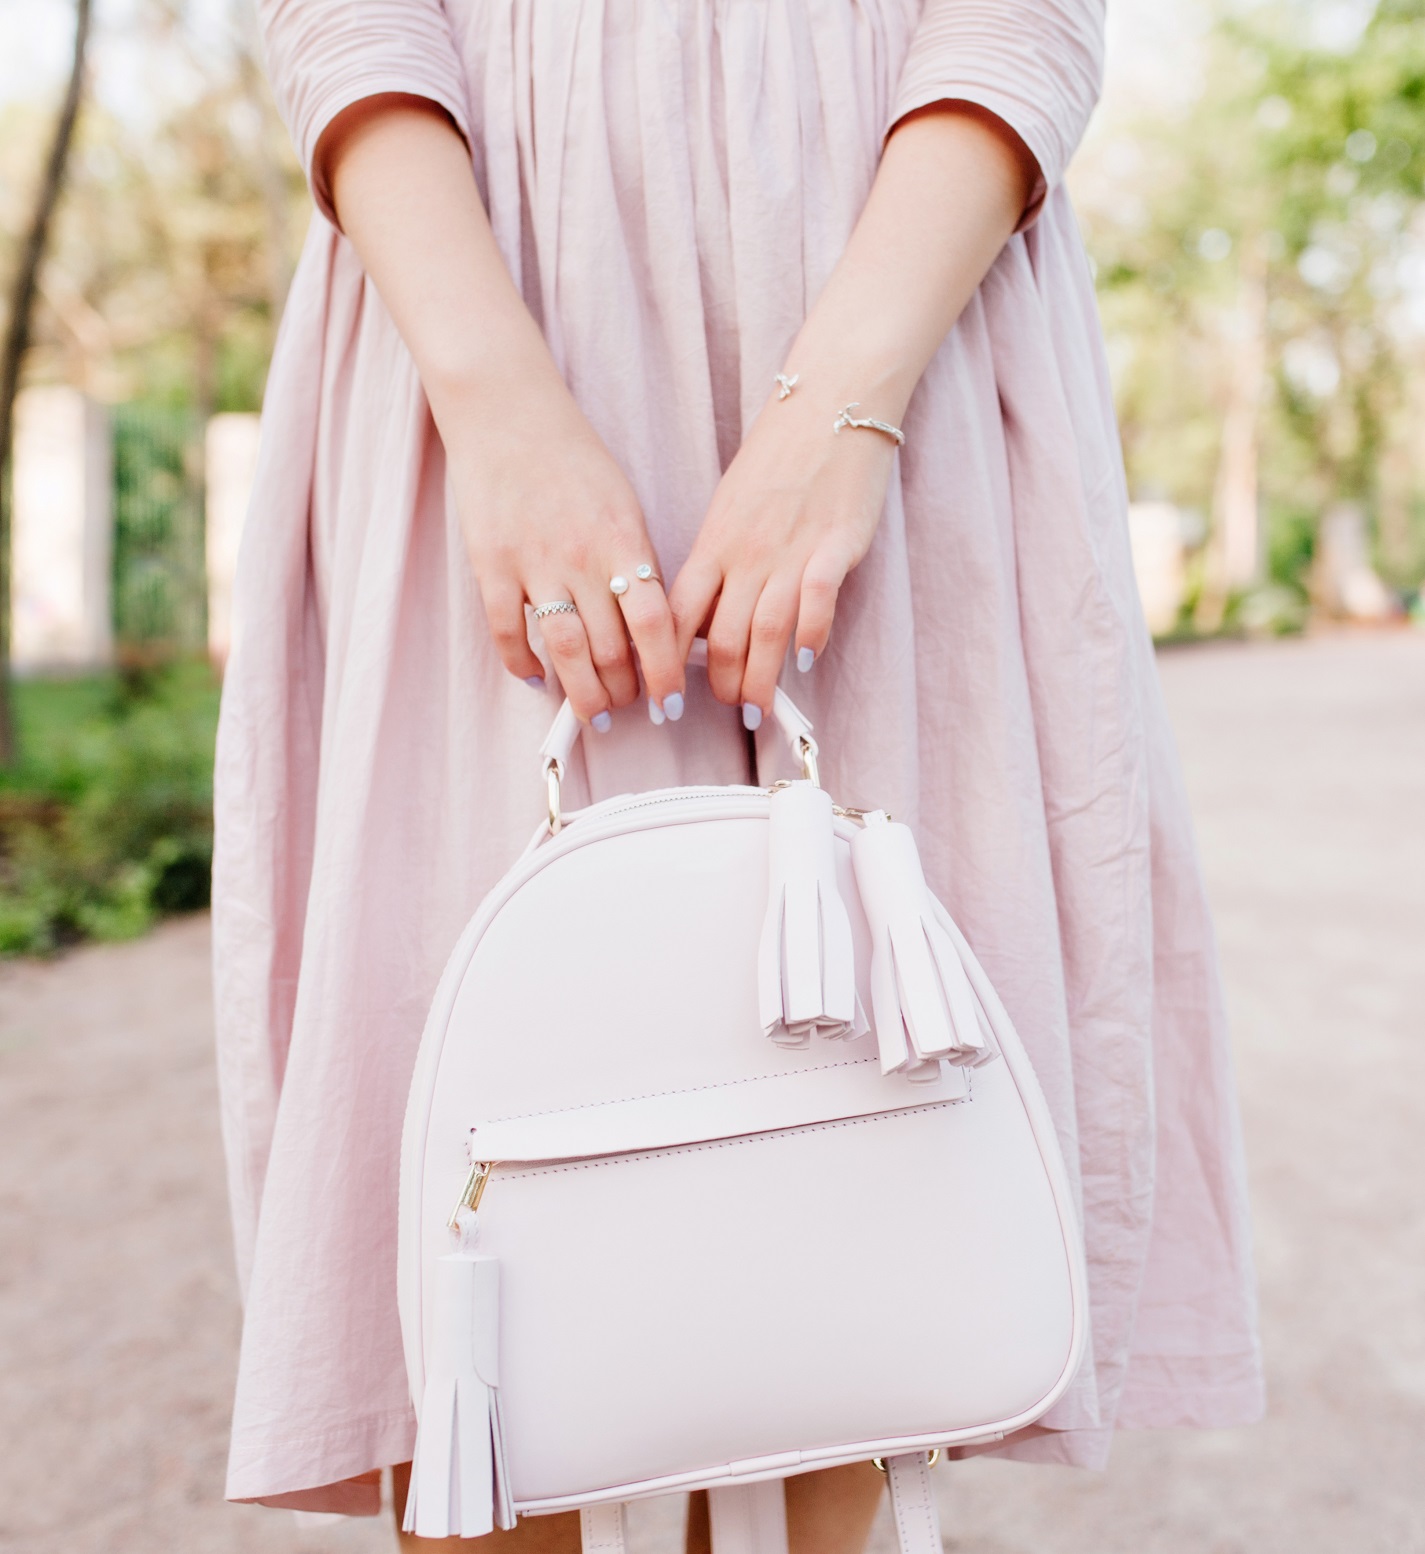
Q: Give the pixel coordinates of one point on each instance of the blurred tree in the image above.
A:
(166, 273)
(17, 336)
(173, 254)
(1258, 259)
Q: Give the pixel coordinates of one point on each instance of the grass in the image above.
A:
(106, 817)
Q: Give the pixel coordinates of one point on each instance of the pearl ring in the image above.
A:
(618, 585)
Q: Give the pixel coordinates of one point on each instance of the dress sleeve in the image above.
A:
(1035, 64)
(325, 55)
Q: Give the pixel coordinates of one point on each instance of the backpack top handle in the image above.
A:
(564, 733)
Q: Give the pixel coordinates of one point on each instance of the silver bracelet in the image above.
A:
(867, 423)
(786, 384)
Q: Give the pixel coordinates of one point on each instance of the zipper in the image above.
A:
(473, 1191)
(845, 811)
(677, 796)
(478, 1178)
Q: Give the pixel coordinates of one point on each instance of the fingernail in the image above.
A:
(805, 659)
(673, 705)
(751, 716)
(602, 721)
(535, 681)
(656, 715)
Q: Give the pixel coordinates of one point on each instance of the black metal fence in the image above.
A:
(160, 582)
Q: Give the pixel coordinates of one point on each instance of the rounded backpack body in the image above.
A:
(722, 1162)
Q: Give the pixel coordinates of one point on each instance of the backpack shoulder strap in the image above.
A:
(752, 1518)
(913, 1503)
(749, 1518)
(603, 1527)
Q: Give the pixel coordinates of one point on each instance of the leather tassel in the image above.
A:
(806, 972)
(925, 1010)
(459, 1476)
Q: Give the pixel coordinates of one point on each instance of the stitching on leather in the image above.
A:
(733, 1143)
(655, 1095)
(722, 1084)
(589, 1517)
(919, 1501)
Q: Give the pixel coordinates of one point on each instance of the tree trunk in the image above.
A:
(1233, 549)
(17, 338)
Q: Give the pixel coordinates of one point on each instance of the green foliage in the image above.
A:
(1285, 199)
(1291, 544)
(183, 215)
(106, 823)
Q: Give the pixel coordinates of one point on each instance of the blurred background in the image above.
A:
(1252, 191)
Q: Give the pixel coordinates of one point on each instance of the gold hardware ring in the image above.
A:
(879, 1463)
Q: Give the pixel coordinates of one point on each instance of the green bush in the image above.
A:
(106, 819)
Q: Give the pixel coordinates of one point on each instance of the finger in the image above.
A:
(770, 631)
(509, 628)
(727, 641)
(609, 647)
(692, 598)
(568, 645)
(821, 583)
(655, 637)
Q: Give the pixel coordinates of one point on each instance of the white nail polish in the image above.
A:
(805, 659)
(602, 721)
(535, 682)
(656, 716)
(751, 716)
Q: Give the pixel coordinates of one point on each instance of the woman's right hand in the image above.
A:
(547, 514)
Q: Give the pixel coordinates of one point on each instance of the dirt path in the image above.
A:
(1306, 766)
(1306, 762)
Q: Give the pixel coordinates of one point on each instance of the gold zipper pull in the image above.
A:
(844, 810)
(472, 1192)
(848, 813)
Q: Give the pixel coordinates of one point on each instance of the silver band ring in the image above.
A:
(556, 607)
(646, 574)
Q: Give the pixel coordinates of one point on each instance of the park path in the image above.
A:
(1306, 763)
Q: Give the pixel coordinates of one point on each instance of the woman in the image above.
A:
(595, 284)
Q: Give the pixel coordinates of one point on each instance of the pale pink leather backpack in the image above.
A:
(722, 1162)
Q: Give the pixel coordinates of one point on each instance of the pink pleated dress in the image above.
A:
(671, 182)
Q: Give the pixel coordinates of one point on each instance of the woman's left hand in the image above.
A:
(799, 505)
(795, 512)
